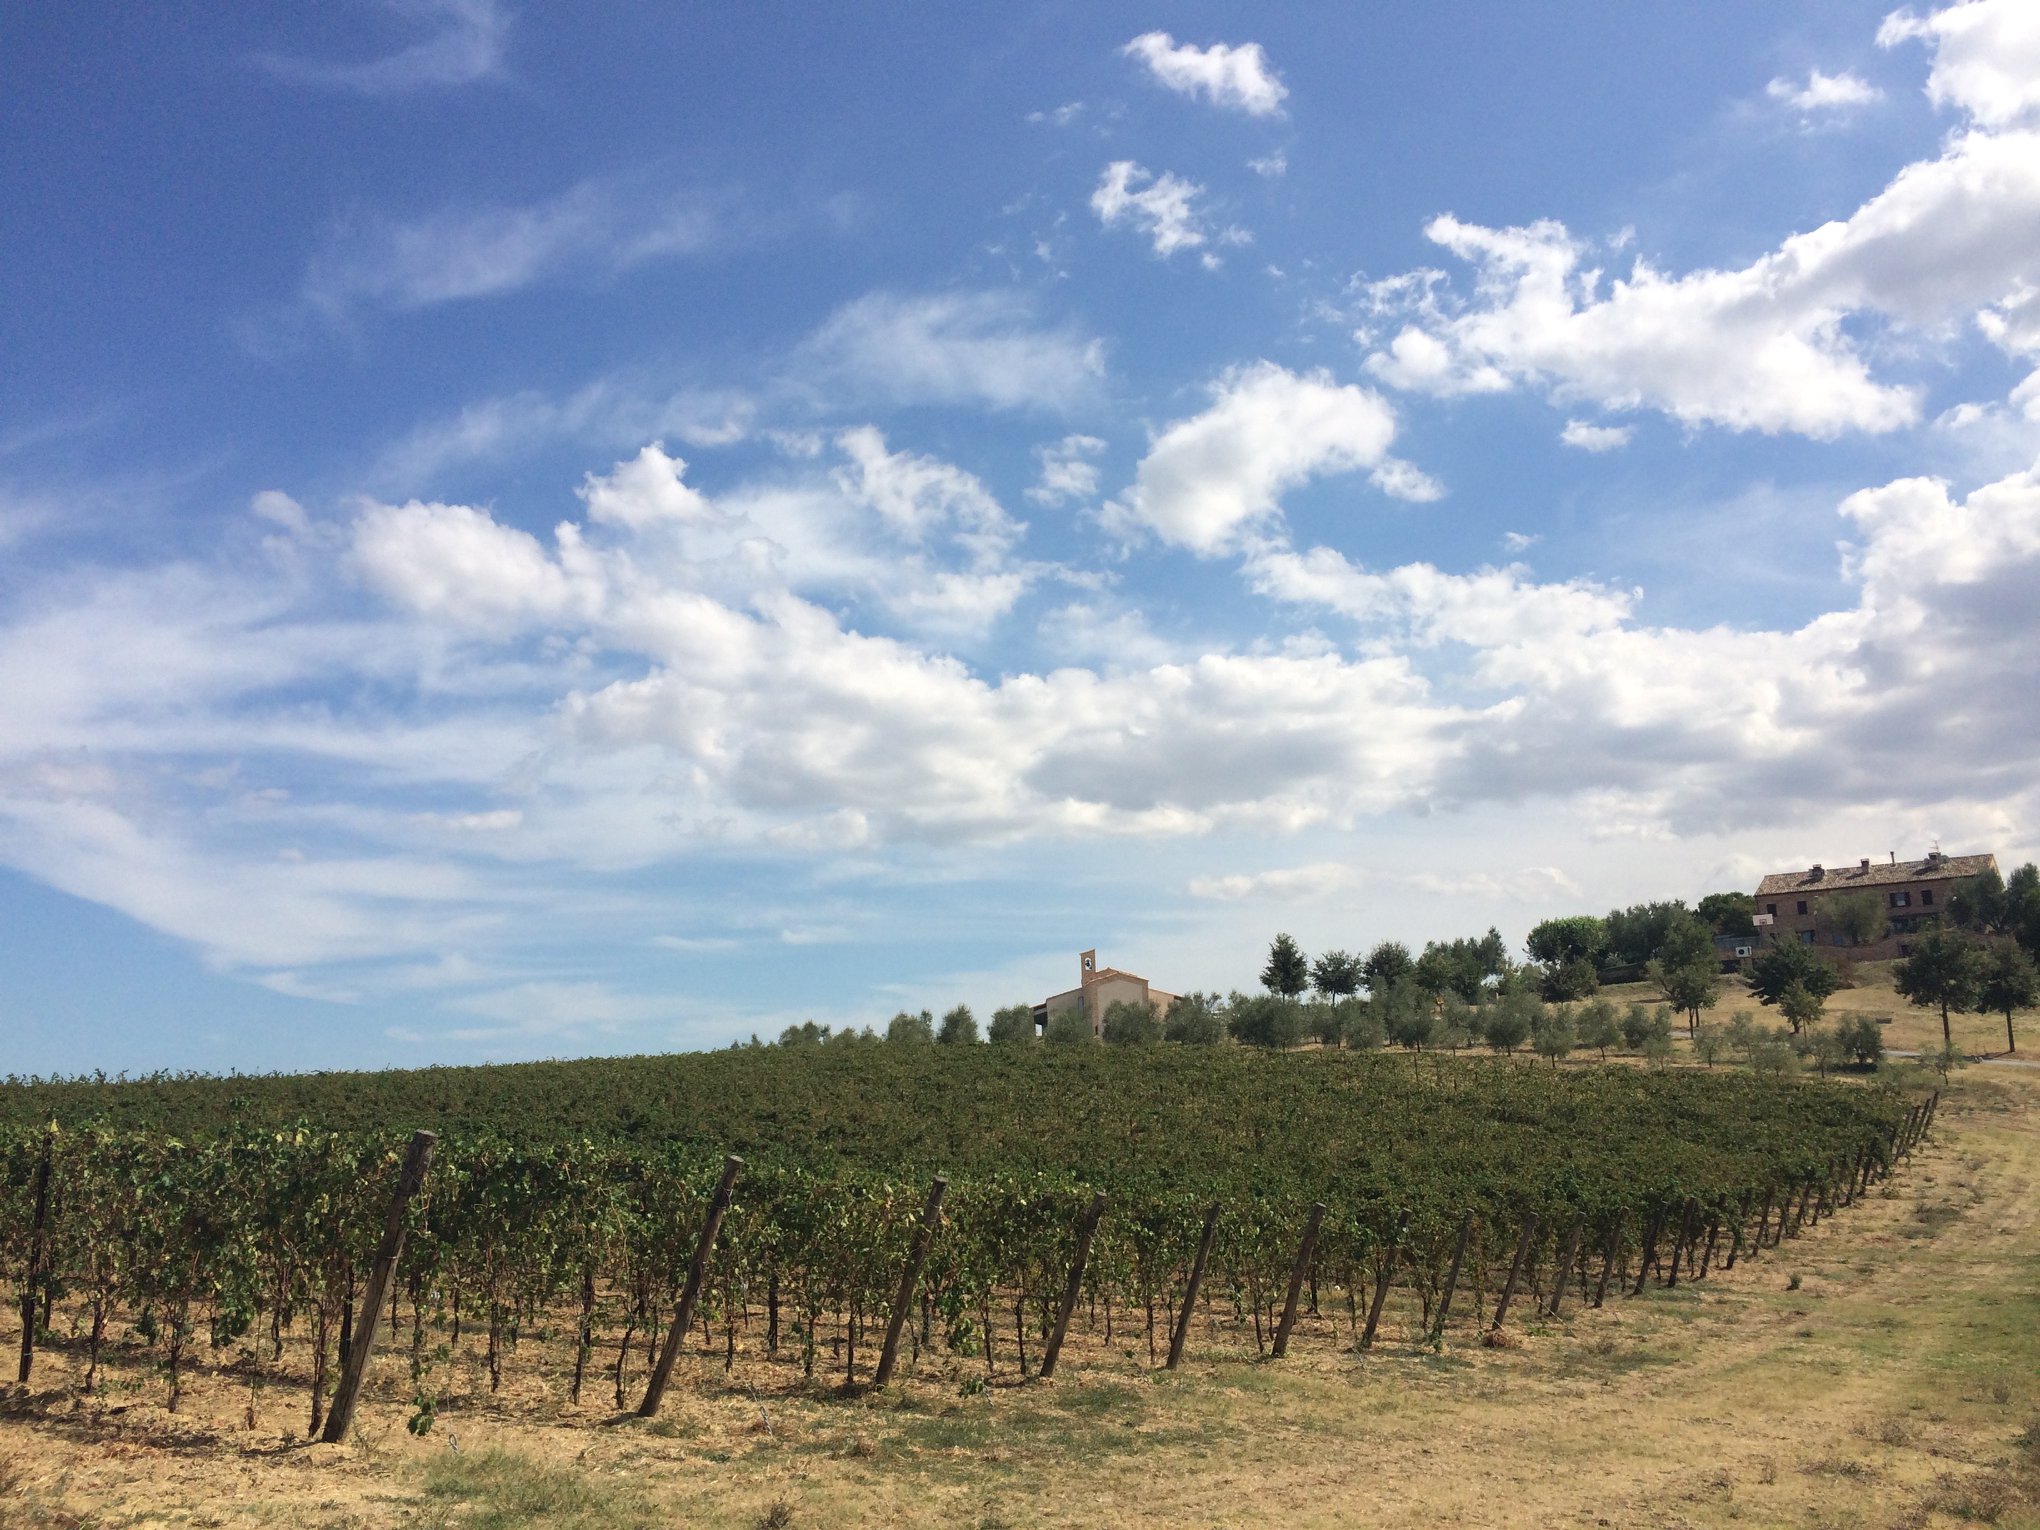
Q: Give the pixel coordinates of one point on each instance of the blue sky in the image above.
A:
(528, 531)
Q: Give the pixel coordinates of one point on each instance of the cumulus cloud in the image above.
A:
(1235, 77)
(1161, 206)
(740, 671)
(1766, 347)
(1594, 438)
(1208, 480)
(1986, 57)
(467, 45)
(943, 348)
(1823, 92)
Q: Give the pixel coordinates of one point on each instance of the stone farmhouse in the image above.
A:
(1912, 894)
(1098, 989)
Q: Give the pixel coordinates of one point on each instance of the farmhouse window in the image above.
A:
(1926, 896)
(1901, 900)
(1771, 909)
(1806, 937)
(1802, 905)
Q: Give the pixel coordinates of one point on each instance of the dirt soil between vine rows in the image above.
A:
(1880, 1370)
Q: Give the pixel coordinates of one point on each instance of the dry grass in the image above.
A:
(1894, 1385)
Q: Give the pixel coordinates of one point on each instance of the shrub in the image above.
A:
(1362, 1028)
(1194, 1020)
(1013, 1023)
(907, 1030)
(1598, 1025)
(1069, 1027)
(958, 1027)
(1131, 1024)
(1863, 1038)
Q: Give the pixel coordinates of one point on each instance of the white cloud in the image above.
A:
(1161, 207)
(1986, 57)
(1594, 438)
(468, 46)
(644, 492)
(1288, 882)
(984, 347)
(1823, 92)
(1235, 77)
(1208, 480)
(1766, 347)
(1067, 471)
(1270, 166)
(455, 563)
(458, 254)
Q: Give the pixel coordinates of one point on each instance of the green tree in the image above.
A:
(1863, 1038)
(1828, 1049)
(1068, 1028)
(1265, 1020)
(1577, 979)
(1599, 1026)
(1551, 1033)
(1363, 1028)
(1336, 975)
(1456, 1023)
(1710, 1044)
(1685, 971)
(959, 1026)
(1640, 1023)
(1464, 966)
(1637, 933)
(1801, 1007)
(909, 1030)
(1776, 968)
(806, 1034)
(1728, 913)
(1979, 904)
(1288, 971)
(1131, 1023)
(1013, 1023)
(2009, 981)
(1945, 970)
(1194, 1020)
(1409, 1016)
(1558, 942)
(1858, 917)
(1510, 1021)
(1387, 963)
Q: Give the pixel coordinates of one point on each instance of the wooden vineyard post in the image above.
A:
(1515, 1268)
(354, 1366)
(697, 1275)
(1686, 1235)
(1381, 1280)
(1742, 1214)
(931, 1215)
(1566, 1263)
(1190, 1291)
(1452, 1275)
(1608, 1264)
(32, 1278)
(1085, 1230)
(1296, 1273)
(1649, 1251)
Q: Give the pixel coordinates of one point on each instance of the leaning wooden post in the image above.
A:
(1686, 1235)
(1565, 1266)
(32, 1278)
(1452, 1275)
(1190, 1291)
(697, 1274)
(1381, 1280)
(1608, 1263)
(1296, 1273)
(931, 1215)
(1648, 1254)
(1085, 1230)
(1515, 1268)
(354, 1368)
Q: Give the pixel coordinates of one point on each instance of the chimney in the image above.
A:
(1866, 863)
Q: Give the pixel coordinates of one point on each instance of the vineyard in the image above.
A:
(187, 1222)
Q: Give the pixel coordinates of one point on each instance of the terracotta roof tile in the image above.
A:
(1878, 874)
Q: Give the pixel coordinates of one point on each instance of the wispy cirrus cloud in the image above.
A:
(599, 227)
(465, 45)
